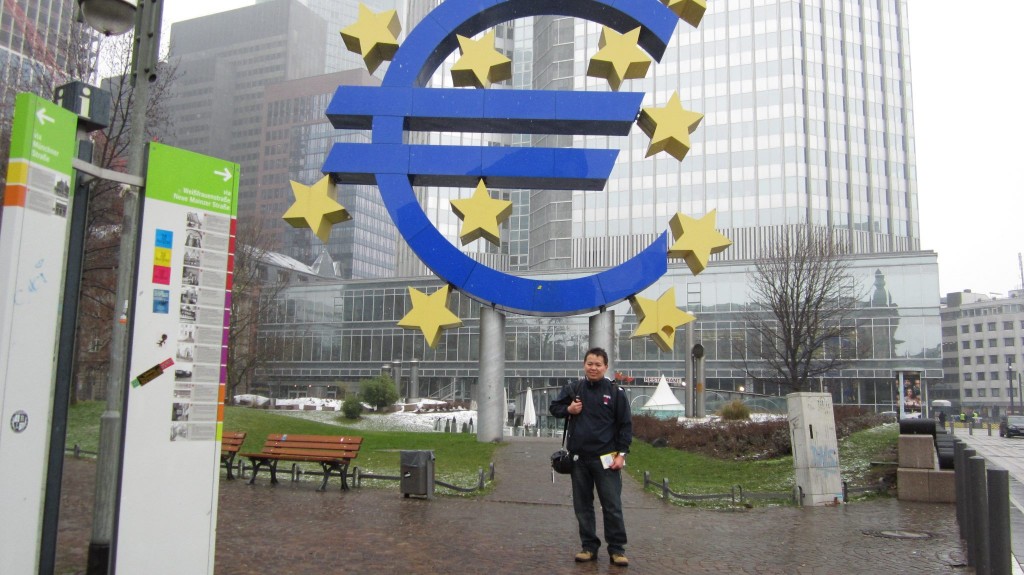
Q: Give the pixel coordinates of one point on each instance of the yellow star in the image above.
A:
(669, 128)
(481, 215)
(689, 11)
(619, 58)
(480, 64)
(374, 36)
(659, 319)
(430, 314)
(696, 240)
(316, 207)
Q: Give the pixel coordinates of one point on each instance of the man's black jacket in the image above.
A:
(604, 425)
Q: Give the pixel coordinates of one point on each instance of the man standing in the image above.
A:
(600, 432)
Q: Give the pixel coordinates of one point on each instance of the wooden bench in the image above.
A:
(332, 452)
(230, 443)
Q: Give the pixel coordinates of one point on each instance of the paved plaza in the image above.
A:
(526, 525)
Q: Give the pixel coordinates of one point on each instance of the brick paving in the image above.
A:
(526, 525)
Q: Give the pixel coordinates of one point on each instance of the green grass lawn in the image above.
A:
(459, 456)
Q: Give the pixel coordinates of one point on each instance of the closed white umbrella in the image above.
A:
(529, 411)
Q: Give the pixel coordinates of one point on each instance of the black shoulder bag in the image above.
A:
(561, 460)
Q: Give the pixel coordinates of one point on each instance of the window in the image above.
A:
(967, 345)
(966, 329)
(981, 391)
(994, 375)
(980, 359)
(1007, 325)
(977, 328)
(981, 376)
(993, 359)
(992, 342)
(994, 392)
(967, 361)
(1011, 358)
(968, 377)
(1008, 341)
(968, 393)
(979, 343)
(991, 326)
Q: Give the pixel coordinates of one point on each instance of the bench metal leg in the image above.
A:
(327, 475)
(256, 464)
(273, 472)
(228, 462)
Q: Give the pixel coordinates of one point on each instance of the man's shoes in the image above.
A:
(585, 555)
(618, 559)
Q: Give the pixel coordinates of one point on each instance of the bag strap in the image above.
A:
(565, 428)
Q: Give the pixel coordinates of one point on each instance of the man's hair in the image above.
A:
(599, 352)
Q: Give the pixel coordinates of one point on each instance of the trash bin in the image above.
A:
(417, 470)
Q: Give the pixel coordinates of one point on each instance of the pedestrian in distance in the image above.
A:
(600, 433)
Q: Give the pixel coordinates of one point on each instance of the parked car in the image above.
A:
(1011, 425)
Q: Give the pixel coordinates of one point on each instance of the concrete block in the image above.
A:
(912, 484)
(917, 452)
(942, 486)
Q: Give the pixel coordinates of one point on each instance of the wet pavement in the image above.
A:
(526, 525)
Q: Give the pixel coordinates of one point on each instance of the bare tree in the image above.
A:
(254, 295)
(103, 240)
(803, 301)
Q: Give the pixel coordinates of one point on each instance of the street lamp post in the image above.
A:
(116, 17)
(1009, 382)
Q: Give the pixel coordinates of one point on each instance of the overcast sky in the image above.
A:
(967, 84)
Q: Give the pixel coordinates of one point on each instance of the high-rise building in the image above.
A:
(42, 46)
(224, 61)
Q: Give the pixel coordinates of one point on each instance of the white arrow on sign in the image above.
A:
(42, 117)
(224, 173)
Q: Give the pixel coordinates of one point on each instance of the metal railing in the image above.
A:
(739, 496)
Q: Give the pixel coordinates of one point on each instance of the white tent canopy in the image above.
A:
(529, 411)
(664, 402)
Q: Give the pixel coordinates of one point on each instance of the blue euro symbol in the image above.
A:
(403, 103)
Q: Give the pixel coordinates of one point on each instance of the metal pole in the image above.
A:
(1009, 382)
(65, 362)
(414, 379)
(108, 463)
(490, 406)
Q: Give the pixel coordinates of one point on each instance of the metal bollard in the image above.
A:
(989, 426)
(960, 478)
(977, 542)
(999, 548)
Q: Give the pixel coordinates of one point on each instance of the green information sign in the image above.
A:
(190, 179)
(43, 133)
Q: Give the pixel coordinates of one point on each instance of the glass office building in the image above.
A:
(808, 121)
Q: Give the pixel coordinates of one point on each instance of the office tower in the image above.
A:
(41, 47)
(224, 61)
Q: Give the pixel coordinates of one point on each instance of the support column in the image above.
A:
(396, 375)
(602, 334)
(690, 381)
(414, 379)
(490, 395)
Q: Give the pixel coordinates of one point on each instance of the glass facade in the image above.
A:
(332, 335)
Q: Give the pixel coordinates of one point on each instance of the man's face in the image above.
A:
(594, 366)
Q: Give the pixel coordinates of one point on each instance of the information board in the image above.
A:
(167, 516)
(33, 244)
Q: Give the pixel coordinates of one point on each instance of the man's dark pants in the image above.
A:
(587, 474)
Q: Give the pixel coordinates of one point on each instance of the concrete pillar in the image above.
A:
(490, 394)
(396, 375)
(414, 379)
(688, 394)
(602, 334)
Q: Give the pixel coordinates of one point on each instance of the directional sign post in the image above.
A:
(33, 242)
(167, 517)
